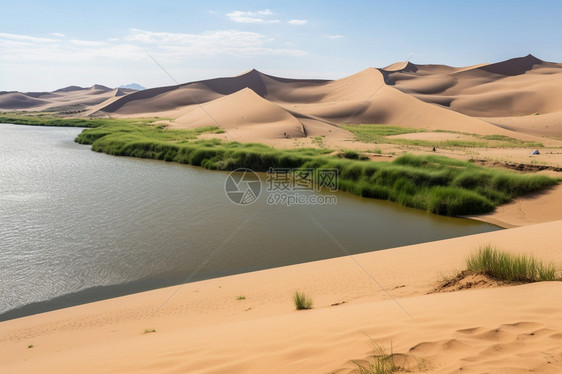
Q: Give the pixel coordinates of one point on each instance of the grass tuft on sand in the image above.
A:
(380, 362)
(508, 267)
(302, 301)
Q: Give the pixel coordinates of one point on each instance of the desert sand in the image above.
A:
(385, 297)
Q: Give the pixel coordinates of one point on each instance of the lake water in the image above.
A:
(78, 226)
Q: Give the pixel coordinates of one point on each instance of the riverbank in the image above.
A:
(436, 184)
(247, 323)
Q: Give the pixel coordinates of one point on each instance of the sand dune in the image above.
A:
(71, 97)
(514, 66)
(403, 94)
(17, 100)
(242, 114)
(172, 97)
(515, 87)
(536, 124)
(205, 329)
(401, 67)
(520, 98)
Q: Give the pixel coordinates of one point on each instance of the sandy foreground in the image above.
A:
(202, 328)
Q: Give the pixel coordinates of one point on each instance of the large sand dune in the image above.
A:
(243, 113)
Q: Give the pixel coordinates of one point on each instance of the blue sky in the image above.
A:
(45, 45)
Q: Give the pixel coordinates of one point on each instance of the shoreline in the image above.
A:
(200, 326)
(545, 206)
(461, 194)
(524, 211)
(101, 293)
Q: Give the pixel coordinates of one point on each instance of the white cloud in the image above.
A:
(58, 34)
(26, 48)
(25, 38)
(87, 43)
(261, 16)
(298, 22)
(29, 59)
(174, 46)
(212, 43)
(335, 36)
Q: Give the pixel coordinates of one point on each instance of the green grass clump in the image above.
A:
(302, 301)
(351, 155)
(509, 267)
(381, 133)
(381, 362)
(436, 184)
(240, 297)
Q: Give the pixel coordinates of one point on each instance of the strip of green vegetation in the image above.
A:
(133, 133)
(41, 119)
(432, 183)
(441, 144)
(380, 133)
(436, 184)
(509, 267)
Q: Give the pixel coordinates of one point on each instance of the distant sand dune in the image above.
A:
(511, 88)
(68, 97)
(497, 98)
(17, 100)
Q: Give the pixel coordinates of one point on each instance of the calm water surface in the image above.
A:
(78, 226)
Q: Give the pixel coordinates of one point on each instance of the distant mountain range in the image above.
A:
(133, 86)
